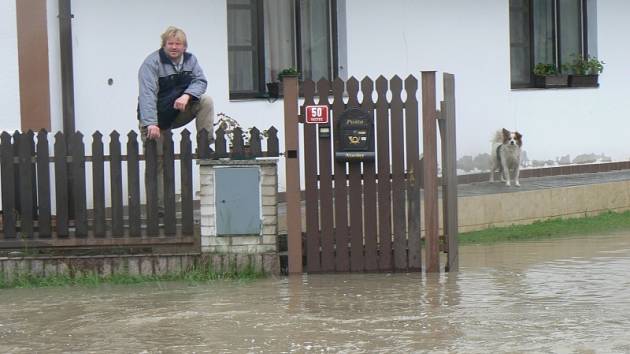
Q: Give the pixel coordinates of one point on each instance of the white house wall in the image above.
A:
(471, 40)
(467, 38)
(9, 74)
(105, 49)
(114, 50)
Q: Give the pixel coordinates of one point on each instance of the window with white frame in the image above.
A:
(267, 36)
(549, 32)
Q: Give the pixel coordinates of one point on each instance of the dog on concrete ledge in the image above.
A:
(506, 155)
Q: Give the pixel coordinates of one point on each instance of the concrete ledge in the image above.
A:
(504, 209)
(267, 263)
(142, 265)
(481, 206)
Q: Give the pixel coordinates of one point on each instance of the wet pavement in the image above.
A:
(537, 183)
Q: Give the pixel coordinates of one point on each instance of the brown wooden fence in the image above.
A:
(365, 215)
(27, 215)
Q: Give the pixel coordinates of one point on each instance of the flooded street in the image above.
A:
(558, 296)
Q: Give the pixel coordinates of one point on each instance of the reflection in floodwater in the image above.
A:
(559, 296)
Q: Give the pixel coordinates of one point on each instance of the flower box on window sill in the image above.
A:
(551, 81)
(583, 80)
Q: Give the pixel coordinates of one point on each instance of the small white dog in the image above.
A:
(506, 155)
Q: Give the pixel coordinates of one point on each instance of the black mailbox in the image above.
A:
(355, 136)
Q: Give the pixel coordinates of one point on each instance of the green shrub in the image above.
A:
(288, 72)
(585, 65)
(542, 69)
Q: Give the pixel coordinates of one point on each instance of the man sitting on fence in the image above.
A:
(172, 87)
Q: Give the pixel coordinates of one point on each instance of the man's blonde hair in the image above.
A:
(172, 31)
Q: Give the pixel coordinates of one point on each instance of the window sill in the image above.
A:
(552, 88)
(561, 82)
(253, 97)
(257, 98)
(260, 98)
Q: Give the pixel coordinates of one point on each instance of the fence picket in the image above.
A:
(273, 149)
(168, 162)
(133, 184)
(441, 123)
(383, 173)
(342, 260)
(237, 151)
(355, 193)
(61, 184)
(26, 181)
(16, 154)
(398, 175)
(98, 185)
(220, 150)
(203, 144)
(43, 186)
(33, 151)
(413, 173)
(313, 261)
(78, 174)
(369, 187)
(151, 186)
(115, 172)
(8, 190)
(185, 150)
(255, 148)
(325, 187)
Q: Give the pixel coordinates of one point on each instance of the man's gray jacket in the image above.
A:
(160, 84)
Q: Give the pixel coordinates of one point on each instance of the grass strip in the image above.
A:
(201, 274)
(557, 227)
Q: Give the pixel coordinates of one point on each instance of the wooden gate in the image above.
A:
(365, 215)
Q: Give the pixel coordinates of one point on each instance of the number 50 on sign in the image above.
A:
(317, 114)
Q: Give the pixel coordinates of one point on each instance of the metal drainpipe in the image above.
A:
(67, 75)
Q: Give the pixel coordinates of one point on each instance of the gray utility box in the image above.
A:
(237, 200)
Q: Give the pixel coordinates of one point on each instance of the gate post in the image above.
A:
(291, 155)
(429, 144)
(451, 173)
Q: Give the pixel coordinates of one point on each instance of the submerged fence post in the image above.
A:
(294, 209)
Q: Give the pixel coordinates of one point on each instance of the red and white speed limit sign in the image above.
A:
(317, 114)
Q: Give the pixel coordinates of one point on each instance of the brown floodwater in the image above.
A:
(567, 295)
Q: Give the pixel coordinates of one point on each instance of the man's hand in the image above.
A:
(181, 102)
(153, 132)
